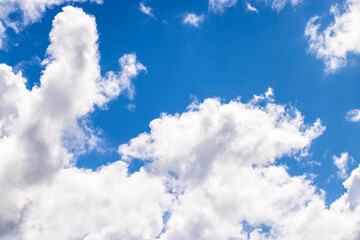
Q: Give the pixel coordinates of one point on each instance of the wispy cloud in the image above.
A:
(342, 164)
(353, 115)
(250, 8)
(193, 19)
(146, 9)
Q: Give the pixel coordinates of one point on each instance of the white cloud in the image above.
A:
(193, 19)
(250, 8)
(339, 39)
(280, 4)
(220, 160)
(210, 172)
(342, 164)
(353, 115)
(102, 204)
(146, 10)
(36, 125)
(219, 6)
(114, 83)
(30, 10)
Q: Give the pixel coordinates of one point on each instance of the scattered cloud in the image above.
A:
(250, 8)
(193, 19)
(353, 115)
(339, 39)
(219, 6)
(146, 10)
(131, 107)
(280, 4)
(342, 164)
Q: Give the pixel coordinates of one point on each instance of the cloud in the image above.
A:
(219, 6)
(342, 164)
(114, 83)
(29, 12)
(353, 115)
(193, 19)
(280, 4)
(211, 172)
(36, 125)
(339, 39)
(146, 10)
(213, 131)
(220, 159)
(102, 204)
(250, 8)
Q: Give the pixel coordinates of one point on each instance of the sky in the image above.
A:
(207, 119)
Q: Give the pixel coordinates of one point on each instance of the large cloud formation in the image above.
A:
(211, 172)
(339, 39)
(34, 125)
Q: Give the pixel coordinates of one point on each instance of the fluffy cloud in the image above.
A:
(30, 11)
(220, 160)
(339, 39)
(193, 19)
(35, 125)
(209, 173)
(105, 204)
(353, 115)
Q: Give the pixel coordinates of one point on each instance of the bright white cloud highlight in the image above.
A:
(353, 115)
(102, 204)
(342, 164)
(339, 39)
(193, 19)
(146, 10)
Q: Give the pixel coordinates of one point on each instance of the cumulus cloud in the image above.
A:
(211, 172)
(353, 115)
(334, 43)
(342, 164)
(102, 204)
(36, 124)
(220, 159)
(193, 19)
(146, 10)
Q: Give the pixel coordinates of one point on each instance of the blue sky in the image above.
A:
(229, 54)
